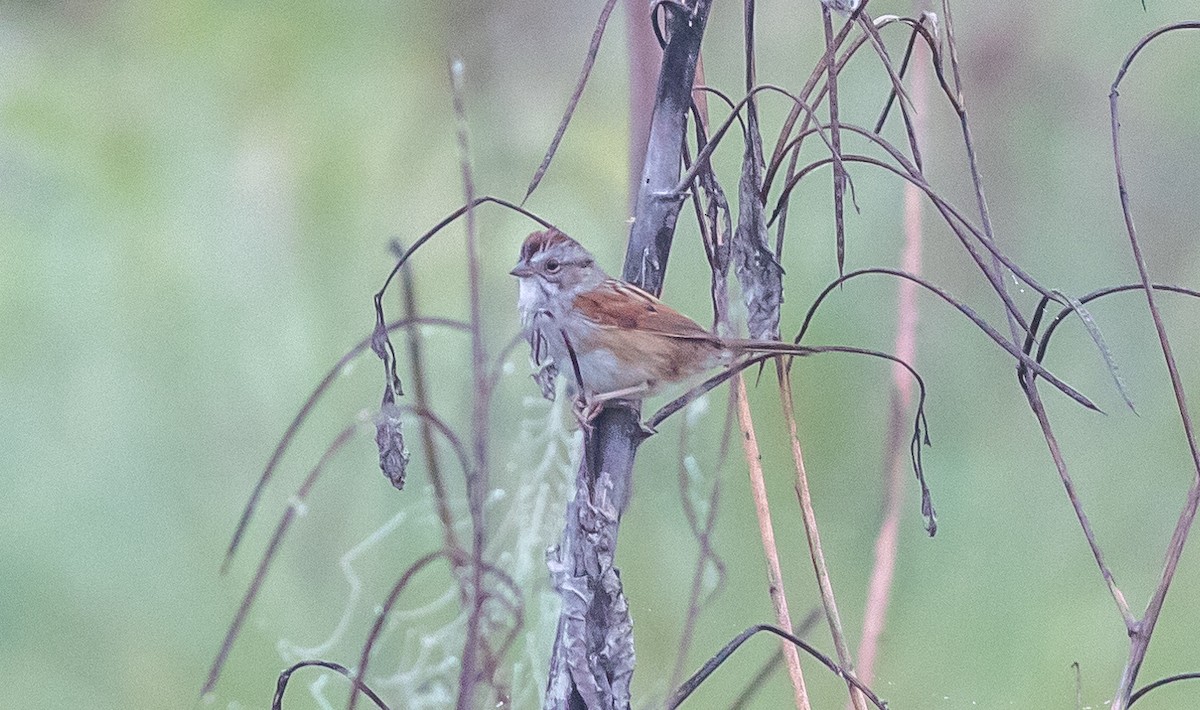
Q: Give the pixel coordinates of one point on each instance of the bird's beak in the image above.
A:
(522, 271)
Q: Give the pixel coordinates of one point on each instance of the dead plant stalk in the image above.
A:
(762, 510)
(824, 583)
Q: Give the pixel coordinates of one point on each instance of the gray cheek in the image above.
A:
(548, 287)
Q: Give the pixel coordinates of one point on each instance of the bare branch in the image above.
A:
(264, 565)
(1161, 682)
(1141, 632)
(595, 615)
(812, 532)
(284, 677)
(302, 415)
(588, 62)
(701, 675)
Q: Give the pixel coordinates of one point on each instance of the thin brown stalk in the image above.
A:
(919, 31)
(420, 385)
(879, 587)
(885, 59)
(1140, 633)
(1060, 465)
(477, 482)
(960, 107)
(762, 511)
(588, 62)
(781, 230)
(264, 564)
(824, 583)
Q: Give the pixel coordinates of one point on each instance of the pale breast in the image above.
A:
(655, 348)
(617, 359)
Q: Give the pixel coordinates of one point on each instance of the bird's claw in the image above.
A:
(586, 412)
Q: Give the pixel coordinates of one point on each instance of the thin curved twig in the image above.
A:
(715, 662)
(735, 114)
(789, 123)
(746, 697)
(284, 677)
(457, 558)
(1065, 313)
(1160, 683)
(1141, 632)
(588, 62)
(920, 435)
(979, 322)
(264, 564)
(954, 219)
(920, 425)
(301, 415)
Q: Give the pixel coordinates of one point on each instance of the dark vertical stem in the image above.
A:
(657, 204)
(985, 217)
(591, 664)
(835, 138)
(751, 66)
(416, 363)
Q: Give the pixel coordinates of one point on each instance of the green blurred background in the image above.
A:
(196, 200)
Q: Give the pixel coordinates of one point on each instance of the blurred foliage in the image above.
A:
(196, 206)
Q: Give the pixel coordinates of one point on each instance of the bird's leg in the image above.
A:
(588, 408)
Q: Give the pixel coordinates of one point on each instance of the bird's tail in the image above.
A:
(768, 347)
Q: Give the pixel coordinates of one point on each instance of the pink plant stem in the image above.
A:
(645, 57)
(880, 587)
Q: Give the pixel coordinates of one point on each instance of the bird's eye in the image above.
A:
(552, 266)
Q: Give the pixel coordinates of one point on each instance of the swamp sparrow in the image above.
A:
(611, 339)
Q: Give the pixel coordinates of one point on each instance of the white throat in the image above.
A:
(531, 298)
